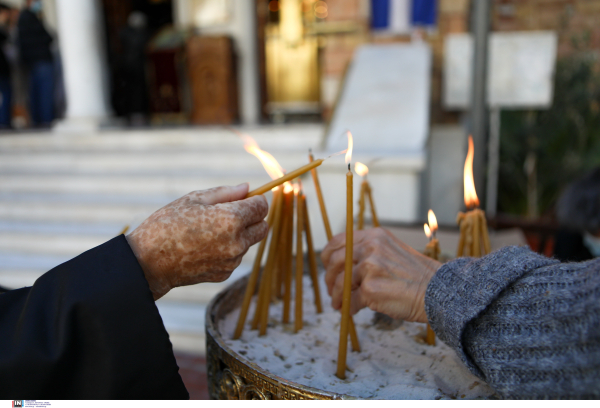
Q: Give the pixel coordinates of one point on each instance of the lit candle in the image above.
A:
(264, 292)
(372, 204)
(283, 256)
(287, 249)
(253, 279)
(312, 259)
(362, 171)
(268, 271)
(271, 166)
(315, 178)
(432, 250)
(474, 239)
(347, 290)
(365, 192)
(299, 259)
(287, 177)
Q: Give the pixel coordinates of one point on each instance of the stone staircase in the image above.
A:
(63, 194)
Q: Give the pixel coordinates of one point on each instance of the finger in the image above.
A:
(224, 194)
(247, 212)
(337, 242)
(337, 292)
(335, 267)
(255, 233)
(252, 210)
(338, 289)
(357, 303)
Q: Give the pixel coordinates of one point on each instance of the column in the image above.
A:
(248, 78)
(82, 49)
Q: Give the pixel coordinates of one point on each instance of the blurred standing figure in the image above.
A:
(133, 68)
(5, 80)
(578, 212)
(34, 49)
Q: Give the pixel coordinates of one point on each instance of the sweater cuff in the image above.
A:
(463, 288)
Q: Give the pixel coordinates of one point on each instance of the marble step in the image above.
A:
(50, 244)
(185, 324)
(56, 212)
(291, 137)
(154, 163)
(132, 185)
(8, 226)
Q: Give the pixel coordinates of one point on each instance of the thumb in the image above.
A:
(225, 194)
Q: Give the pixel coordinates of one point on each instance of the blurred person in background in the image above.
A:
(34, 49)
(134, 38)
(5, 79)
(578, 213)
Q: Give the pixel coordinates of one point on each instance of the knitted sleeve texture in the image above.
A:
(526, 324)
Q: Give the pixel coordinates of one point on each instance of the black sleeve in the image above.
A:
(87, 329)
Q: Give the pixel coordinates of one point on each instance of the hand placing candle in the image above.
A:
(388, 276)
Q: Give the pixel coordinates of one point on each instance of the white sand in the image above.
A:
(394, 363)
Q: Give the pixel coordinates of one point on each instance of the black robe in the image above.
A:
(87, 329)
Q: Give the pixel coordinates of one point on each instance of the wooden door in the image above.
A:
(212, 74)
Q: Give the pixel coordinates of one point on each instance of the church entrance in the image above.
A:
(143, 82)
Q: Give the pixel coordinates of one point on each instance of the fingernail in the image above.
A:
(241, 185)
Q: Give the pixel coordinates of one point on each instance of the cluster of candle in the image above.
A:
(365, 192)
(474, 239)
(276, 278)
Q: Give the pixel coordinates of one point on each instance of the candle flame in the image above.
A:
(272, 167)
(350, 146)
(287, 187)
(471, 199)
(361, 169)
(427, 230)
(432, 221)
(296, 188)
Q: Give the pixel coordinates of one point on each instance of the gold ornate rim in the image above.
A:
(231, 376)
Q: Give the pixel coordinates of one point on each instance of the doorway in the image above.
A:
(158, 15)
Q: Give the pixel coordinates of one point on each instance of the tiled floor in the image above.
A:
(193, 372)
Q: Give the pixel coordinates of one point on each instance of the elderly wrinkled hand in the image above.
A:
(388, 276)
(200, 237)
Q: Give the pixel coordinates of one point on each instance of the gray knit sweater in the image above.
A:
(527, 325)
